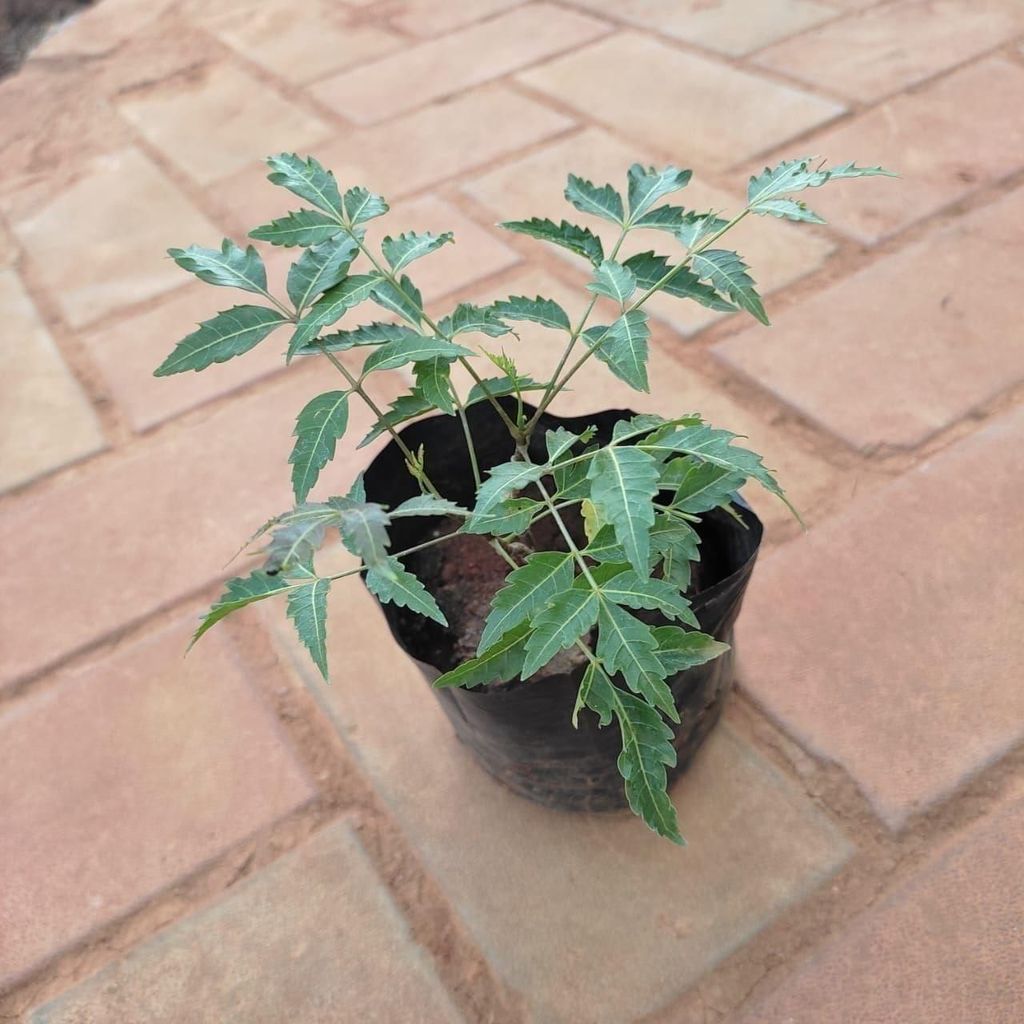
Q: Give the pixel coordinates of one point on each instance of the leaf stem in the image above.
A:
(469, 438)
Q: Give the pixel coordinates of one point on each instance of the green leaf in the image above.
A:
(566, 618)
(623, 484)
(403, 408)
(646, 751)
(680, 649)
(640, 591)
(559, 442)
(364, 530)
(413, 349)
(602, 201)
(728, 273)
(362, 205)
(581, 241)
(307, 608)
(307, 179)
(526, 590)
(317, 430)
(649, 268)
(239, 592)
(434, 380)
(677, 545)
(393, 582)
(467, 318)
(647, 185)
(303, 227)
(403, 299)
(497, 387)
(319, 268)
(331, 307)
(502, 662)
(623, 347)
(787, 209)
(545, 312)
(626, 646)
(502, 480)
(797, 175)
(230, 267)
(615, 281)
(699, 486)
(297, 536)
(407, 247)
(427, 505)
(511, 517)
(228, 334)
(368, 334)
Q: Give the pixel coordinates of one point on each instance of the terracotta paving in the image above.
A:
(227, 838)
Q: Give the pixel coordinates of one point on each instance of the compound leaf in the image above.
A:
(362, 205)
(392, 582)
(600, 200)
(622, 347)
(502, 662)
(560, 624)
(623, 483)
(303, 227)
(317, 430)
(231, 266)
(307, 179)
(319, 268)
(581, 241)
(728, 273)
(230, 333)
(331, 307)
(647, 185)
(545, 312)
(615, 281)
(403, 250)
(307, 608)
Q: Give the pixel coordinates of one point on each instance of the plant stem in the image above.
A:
(567, 536)
(469, 438)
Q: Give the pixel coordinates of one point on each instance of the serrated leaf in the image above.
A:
(412, 349)
(581, 241)
(626, 646)
(503, 362)
(410, 246)
(647, 185)
(558, 625)
(317, 430)
(498, 387)
(364, 530)
(559, 442)
(796, 175)
(402, 409)
(368, 334)
(239, 592)
(623, 484)
(600, 200)
(681, 649)
(694, 230)
(511, 517)
(427, 505)
(699, 486)
(307, 179)
(545, 312)
(649, 269)
(434, 380)
(303, 227)
(502, 480)
(230, 333)
(392, 582)
(728, 273)
(646, 751)
(307, 608)
(677, 545)
(331, 307)
(613, 280)
(526, 590)
(403, 299)
(663, 218)
(230, 267)
(640, 591)
(362, 205)
(622, 347)
(502, 662)
(787, 209)
(319, 268)
(467, 318)
(297, 536)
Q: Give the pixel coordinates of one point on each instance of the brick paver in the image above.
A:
(761, 111)
(876, 641)
(884, 641)
(546, 894)
(47, 419)
(944, 947)
(949, 341)
(276, 950)
(163, 762)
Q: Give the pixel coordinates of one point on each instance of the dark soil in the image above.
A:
(23, 23)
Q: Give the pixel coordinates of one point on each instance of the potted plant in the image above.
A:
(550, 575)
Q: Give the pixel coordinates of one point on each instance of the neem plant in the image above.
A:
(638, 494)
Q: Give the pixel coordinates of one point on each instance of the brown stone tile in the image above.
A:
(161, 520)
(887, 639)
(218, 120)
(895, 45)
(429, 18)
(313, 937)
(8, 248)
(95, 32)
(734, 27)
(458, 61)
(300, 49)
(942, 156)
(603, 81)
(101, 242)
(45, 419)
(906, 346)
(947, 945)
(125, 776)
(779, 253)
(576, 893)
